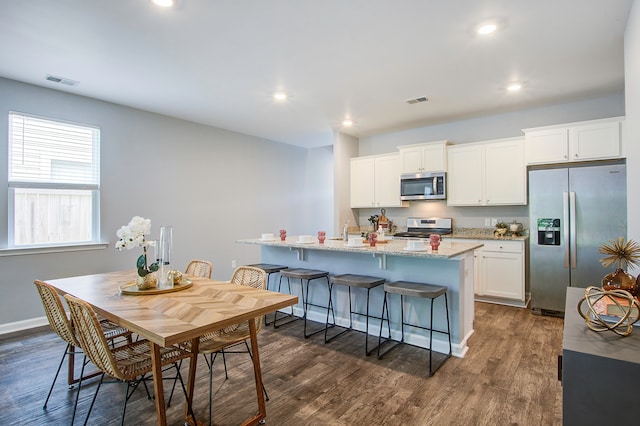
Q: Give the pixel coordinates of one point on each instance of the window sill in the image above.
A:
(52, 249)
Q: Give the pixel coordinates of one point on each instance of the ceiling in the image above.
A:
(219, 62)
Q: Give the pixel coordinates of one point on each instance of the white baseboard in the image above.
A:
(13, 327)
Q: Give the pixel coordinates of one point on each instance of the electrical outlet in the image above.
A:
(234, 263)
(494, 221)
(487, 221)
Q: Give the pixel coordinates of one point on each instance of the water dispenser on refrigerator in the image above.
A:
(549, 232)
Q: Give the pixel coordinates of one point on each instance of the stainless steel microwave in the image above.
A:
(423, 186)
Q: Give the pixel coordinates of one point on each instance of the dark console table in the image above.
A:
(600, 372)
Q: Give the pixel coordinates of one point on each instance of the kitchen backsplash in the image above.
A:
(463, 217)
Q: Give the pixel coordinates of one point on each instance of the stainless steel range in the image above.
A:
(422, 227)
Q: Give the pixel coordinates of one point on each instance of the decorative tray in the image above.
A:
(133, 290)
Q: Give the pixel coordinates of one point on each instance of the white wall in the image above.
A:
(213, 186)
(478, 129)
(498, 126)
(345, 147)
(632, 99)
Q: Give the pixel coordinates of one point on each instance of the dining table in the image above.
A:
(176, 316)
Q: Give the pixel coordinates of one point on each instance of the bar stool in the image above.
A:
(306, 276)
(358, 281)
(269, 269)
(425, 291)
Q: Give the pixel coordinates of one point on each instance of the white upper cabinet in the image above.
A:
(487, 173)
(464, 179)
(375, 181)
(505, 173)
(583, 141)
(424, 157)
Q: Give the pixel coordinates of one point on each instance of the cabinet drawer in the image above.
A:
(503, 246)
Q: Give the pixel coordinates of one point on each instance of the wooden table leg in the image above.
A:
(191, 380)
(158, 387)
(71, 377)
(262, 413)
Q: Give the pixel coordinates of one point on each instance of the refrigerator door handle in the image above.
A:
(565, 227)
(572, 221)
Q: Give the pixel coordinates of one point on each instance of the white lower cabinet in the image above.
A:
(499, 272)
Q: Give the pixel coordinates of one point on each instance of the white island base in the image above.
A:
(450, 266)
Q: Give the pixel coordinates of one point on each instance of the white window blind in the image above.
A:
(54, 181)
(46, 151)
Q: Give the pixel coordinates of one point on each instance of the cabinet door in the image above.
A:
(502, 274)
(595, 141)
(362, 182)
(505, 173)
(477, 272)
(387, 181)
(547, 146)
(465, 176)
(411, 159)
(434, 158)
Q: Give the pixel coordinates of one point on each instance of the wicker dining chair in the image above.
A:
(199, 268)
(196, 268)
(218, 341)
(63, 327)
(129, 363)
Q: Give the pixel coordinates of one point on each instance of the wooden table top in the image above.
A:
(171, 318)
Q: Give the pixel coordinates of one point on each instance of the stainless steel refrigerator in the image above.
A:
(572, 211)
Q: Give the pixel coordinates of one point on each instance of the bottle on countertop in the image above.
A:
(380, 233)
(345, 232)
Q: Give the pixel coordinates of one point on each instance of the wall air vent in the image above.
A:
(61, 80)
(417, 100)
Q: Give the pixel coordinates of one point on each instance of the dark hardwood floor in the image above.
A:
(508, 377)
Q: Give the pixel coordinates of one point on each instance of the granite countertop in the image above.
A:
(447, 249)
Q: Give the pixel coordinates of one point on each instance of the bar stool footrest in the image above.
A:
(277, 321)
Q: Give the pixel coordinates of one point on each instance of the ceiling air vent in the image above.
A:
(417, 100)
(61, 80)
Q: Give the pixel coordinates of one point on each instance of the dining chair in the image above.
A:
(63, 327)
(199, 268)
(196, 268)
(218, 341)
(129, 363)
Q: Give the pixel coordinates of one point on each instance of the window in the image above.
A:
(54, 182)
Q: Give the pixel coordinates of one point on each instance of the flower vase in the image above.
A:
(147, 282)
(620, 280)
(164, 257)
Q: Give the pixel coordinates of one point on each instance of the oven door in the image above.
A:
(423, 186)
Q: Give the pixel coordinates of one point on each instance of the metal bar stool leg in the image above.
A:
(291, 317)
(268, 279)
(446, 306)
(366, 327)
(330, 306)
(385, 308)
(431, 340)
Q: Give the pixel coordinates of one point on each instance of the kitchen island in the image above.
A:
(451, 266)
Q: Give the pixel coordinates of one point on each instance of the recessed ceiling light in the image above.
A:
(280, 96)
(487, 29)
(163, 3)
(347, 123)
(514, 87)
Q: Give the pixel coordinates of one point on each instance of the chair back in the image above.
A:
(91, 337)
(56, 314)
(250, 276)
(199, 268)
